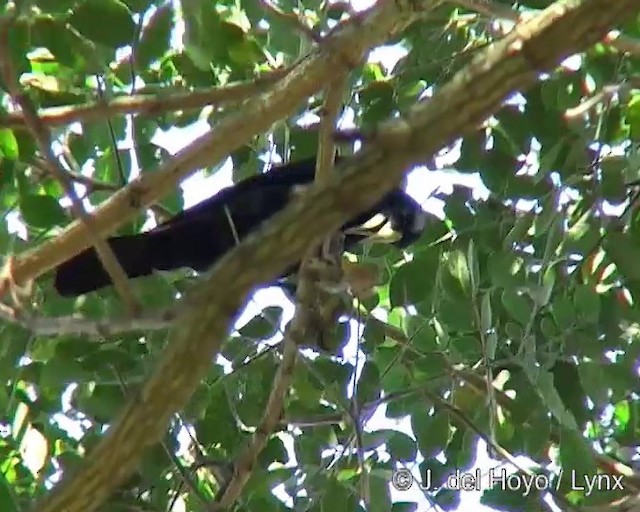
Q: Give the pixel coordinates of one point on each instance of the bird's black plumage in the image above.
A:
(198, 236)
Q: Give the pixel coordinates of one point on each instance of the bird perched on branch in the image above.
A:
(198, 236)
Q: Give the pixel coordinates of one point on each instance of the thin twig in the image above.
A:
(243, 466)
(89, 328)
(147, 104)
(601, 96)
(622, 43)
(103, 96)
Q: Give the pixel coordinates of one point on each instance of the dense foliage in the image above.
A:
(513, 320)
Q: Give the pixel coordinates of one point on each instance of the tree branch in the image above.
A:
(147, 104)
(77, 325)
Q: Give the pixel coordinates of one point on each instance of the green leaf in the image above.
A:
(113, 167)
(372, 440)
(61, 372)
(263, 326)
(633, 117)
(377, 101)
(503, 268)
(458, 267)
(402, 447)
(251, 393)
(422, 334)
(101, 402)
(486, 317)
(434, 473)
(369, 383)
(613, 180)
(219, 422)
(583, 235)
(563, 312)
(518, 231)
(566, 380)
(337, 498)
(623, 250)
(8, 145)
(554, 238)
(396, 377)
(594, 381)
(202, 29)
(548, 160)
(576, 457)
(41, 211)
(509, 498)
(65, 44)
(7, 501)
(536, 436)
(545, 385)
(472, 264)
(447, 499)
(414, 281)
(586, 302)
(432, 432)
(628, 430)
(139, 5)
(548, 283)
(156, 36)
(404, 506)
(56, 6)
(107, 22)
(329, 371)
(379, 494)
(518, 306)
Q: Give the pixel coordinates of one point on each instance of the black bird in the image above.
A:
(198, 236)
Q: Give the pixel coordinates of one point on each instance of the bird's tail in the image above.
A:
(84, 272)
